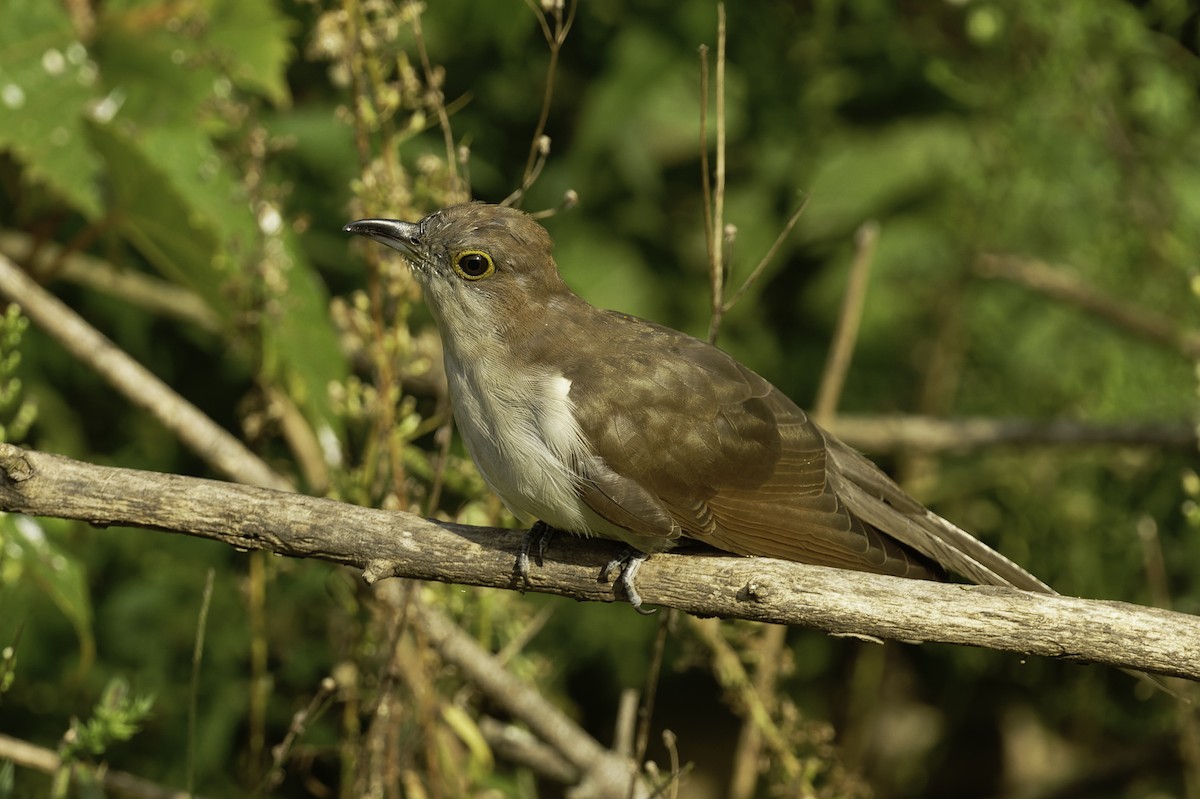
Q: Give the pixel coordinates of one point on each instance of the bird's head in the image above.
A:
(480, 266)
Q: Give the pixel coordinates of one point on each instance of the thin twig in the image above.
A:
(518, 745)
(837, 364)
(732, 676)
(321, 699)
(716, 264)
(705, 174)
(136, 288)
(626, 724)
(539, 146)
(354, 62)
(456, 189)
(194, 691)
(598, 766)
(650, 691)
(743, 781)
(768, 257)
(1186, 721)
(846, 333)
(569, 200)
(259, 684)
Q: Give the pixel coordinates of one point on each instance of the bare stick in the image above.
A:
(155, 295)
(650, 693)
(833, 378)
(846, 333)
(759, 268)
(705, 174)
(390, 543)
(212, 443)
(538, 149)
(1062, 284)
(520, 746)
(300, 720)
(118, 783)
(716, 249)
(898, 433)
(194, 690)
(731, 676)
(457, 189)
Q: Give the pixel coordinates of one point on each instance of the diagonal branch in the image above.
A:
(138, 384)
(118, 783)
(389, 543)
(1062, 284)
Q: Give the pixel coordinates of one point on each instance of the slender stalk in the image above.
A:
(717, 265)
(194, 691)
(846, 333)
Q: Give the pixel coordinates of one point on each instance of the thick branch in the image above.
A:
(388, 543)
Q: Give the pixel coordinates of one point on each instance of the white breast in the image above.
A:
(522, 433)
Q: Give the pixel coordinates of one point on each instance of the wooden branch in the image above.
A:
(930, 434)
(389, 543)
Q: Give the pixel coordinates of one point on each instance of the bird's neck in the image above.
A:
(519, 339)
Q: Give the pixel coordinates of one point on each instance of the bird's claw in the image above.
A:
(627, 564)
(536, 540)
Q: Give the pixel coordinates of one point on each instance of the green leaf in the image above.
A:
(160, 72)
(158, 217)
(863, 176)
(47, 80)
(251, 37)
(175, 199)
(32, 559)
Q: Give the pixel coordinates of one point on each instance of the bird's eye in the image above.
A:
(474, 264)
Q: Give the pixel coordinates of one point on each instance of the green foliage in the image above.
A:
(8, 664)
(7, 778)
(117, 717)
(17, 413)
(217, 146)
(85, 123)
(48, 81)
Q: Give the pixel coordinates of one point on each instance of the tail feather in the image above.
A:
(876, 499)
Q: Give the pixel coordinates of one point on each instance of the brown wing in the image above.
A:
(744, 469)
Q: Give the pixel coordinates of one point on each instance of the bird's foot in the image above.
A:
(536, 541)
(627, 564)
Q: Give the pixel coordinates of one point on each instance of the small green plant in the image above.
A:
(16, 414)
(8, 667)
(118, 717)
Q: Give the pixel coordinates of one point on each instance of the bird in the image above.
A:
(599, 423)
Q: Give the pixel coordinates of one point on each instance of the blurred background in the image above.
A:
(178, 173)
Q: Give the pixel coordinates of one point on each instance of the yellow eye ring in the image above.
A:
(473, 264)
